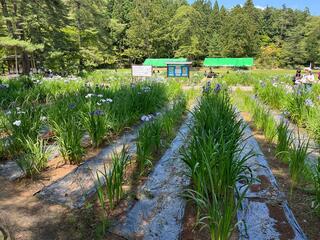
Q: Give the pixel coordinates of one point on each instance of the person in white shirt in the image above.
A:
(310, 77)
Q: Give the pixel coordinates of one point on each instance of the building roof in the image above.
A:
(179, 63)
(228, 62)
(162, 62)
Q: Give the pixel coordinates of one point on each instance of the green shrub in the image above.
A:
(35, 159)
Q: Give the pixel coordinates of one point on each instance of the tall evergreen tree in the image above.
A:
(75, 35)
(147, 34)
(312, 40)
(239, 35)
(215, 25)
(186, 32)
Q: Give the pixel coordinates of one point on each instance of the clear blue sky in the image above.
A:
(313, 5)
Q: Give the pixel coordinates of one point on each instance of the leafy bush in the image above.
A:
(296, 106)
(313, 123)
(272, 93)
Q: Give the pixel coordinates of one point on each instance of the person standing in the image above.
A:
(297, 77)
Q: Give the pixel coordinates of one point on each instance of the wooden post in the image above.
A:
(16, 60)
(9, 66)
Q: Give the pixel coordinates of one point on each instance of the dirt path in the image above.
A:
(23, 215)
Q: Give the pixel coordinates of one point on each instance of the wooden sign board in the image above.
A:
(141, 71)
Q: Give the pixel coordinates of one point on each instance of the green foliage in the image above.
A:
(284, 141)
(272, 94)
(262, 119)
(313, 123)
(21, 123)
(216, 164)
(109, 183)
(35, 158)
(155, 135)
(296, 105)
(76, 36)
(97, 124)
(270, 56)
(65, 120)
(72, 107)
(3, 151)
(239, 24)
(148, 144)
(95, 118)
(298, 154)
(109, 186)
(20, 44)
(299, 103)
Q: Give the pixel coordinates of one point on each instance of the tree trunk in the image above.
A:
(16, 60)
(25, 63)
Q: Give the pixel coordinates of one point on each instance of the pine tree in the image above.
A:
(215, 24)
(239, 35)
(186, 32)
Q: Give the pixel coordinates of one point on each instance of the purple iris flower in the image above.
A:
(72, 106)
(97, 113)
(217, 88)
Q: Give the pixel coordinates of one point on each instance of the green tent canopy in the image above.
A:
(162, 62)
(228, 62)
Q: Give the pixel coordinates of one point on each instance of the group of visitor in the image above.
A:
(308, 78)
(210, 74)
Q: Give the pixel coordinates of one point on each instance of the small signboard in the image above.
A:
(179, 69)
(141, 71)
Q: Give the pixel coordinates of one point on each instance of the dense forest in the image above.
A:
(70, 36)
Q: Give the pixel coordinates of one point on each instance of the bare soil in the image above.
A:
(300, 201)
(192, 231)
(24, 216)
